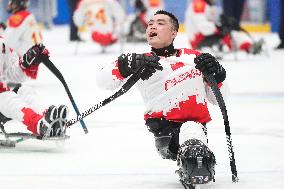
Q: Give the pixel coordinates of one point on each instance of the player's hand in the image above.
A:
(130, 63)
(209, 65)
(35, 55)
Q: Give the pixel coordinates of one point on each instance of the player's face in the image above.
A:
(11, 7)
(160, 32)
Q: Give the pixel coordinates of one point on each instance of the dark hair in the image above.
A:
(21, 3)
(173, 18)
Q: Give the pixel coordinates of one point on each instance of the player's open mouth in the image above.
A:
(153, 34)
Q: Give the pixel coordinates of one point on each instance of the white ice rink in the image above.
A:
(119, 152)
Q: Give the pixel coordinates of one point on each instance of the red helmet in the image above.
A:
(17, 5)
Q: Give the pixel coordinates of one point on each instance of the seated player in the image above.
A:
(102, 19)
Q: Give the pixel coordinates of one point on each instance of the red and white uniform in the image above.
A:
(200, 21)
(152, 7)
(20, 106)
(178, 92)
(22, 32)
(102, 18)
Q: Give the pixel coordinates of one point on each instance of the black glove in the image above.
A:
(131, 63)
(208, 65)
(35, 55)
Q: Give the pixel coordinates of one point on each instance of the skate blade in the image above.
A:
(7, 144)
(57, 138)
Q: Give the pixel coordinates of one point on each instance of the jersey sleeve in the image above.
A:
(109, 77)
(12, 71)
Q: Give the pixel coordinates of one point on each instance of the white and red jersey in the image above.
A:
(177, 93)
(200, 22)
(22, 32)
(10, 67)
(17, 106)
(102, 18)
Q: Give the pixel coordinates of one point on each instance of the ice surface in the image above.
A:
(119, 152)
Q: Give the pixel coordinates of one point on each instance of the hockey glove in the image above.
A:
(208, 65)
(35, 55)
(131, 63)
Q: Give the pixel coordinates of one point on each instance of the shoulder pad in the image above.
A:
(17, 19)
(199, 6)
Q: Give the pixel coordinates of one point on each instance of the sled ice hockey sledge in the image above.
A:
(11, 139)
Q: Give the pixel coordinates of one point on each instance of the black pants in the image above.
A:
(73, 28)
(233, 8)
(166, 136)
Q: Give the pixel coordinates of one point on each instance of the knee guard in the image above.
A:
(196, 163)
(166, 136)
(193, 130)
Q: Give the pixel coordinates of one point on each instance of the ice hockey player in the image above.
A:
(20, 103)
(205, 28)
(144, 11)
(175, 94)
(22, 30)
(103, 19)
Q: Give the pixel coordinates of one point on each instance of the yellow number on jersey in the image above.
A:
(101, 16)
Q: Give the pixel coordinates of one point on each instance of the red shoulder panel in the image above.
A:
(17, 19)
(199, 6)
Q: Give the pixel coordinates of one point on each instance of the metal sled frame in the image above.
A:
(11, 139)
